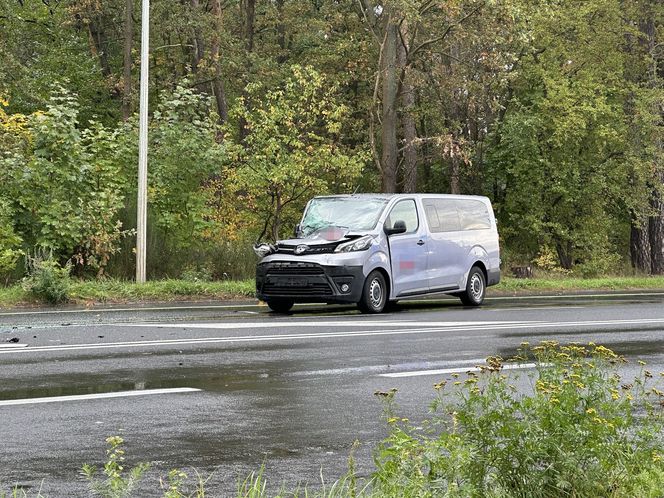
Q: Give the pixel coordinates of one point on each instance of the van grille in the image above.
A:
(311, 289)
(293, 268)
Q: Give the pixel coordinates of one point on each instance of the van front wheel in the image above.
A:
(280, 305)
(374, 293)
(475, 288)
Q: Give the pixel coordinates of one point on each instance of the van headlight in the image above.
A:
(361, 244)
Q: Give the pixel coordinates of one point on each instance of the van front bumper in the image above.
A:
(307, 282)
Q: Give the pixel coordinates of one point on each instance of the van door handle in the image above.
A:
(420, 242)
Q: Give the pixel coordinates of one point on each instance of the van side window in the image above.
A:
(441, 215)
(404, 211)
(432, 217)
(473, 215)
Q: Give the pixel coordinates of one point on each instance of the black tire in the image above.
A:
(392, 306)
(475, 288)
(280, 305)
(374, 293)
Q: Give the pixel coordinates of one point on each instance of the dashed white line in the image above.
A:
(446, 371)
(84, 397)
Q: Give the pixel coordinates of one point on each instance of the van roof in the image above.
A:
(390, 196)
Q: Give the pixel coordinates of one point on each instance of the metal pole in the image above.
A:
(142, 208)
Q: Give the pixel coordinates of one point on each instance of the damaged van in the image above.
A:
(376, 249)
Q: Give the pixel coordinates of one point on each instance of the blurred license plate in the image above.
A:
(294, 282)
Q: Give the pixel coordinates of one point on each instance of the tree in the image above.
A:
(293, 149)
(65, 187)
(561, 142)
(646, 114)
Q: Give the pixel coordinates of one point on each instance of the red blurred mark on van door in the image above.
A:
(406, 265)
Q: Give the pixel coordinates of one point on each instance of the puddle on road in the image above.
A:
(211, 381)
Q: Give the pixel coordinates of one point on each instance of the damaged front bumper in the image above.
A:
(308, 282)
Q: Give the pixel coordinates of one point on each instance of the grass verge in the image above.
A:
(119, 291)
(510, 285)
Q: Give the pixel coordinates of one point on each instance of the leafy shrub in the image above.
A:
(47, 280)
(198, 273)
(117, 482)
(581, 431)
(10, 242)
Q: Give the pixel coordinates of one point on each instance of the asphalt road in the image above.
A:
(223, 389)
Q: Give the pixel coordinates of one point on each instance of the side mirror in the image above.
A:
(296, 232)
(399, 227)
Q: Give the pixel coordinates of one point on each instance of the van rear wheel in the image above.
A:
(280, 305)
(374, 293)
(475, 288)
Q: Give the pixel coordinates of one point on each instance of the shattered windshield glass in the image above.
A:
(353, 213)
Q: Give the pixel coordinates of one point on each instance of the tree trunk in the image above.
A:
(281, 32)
(639, 246)
(249, 28)
(407, 118)
(389, 108)
(656, 232)
(454, 175)
(127, 61)
(654, 80)
(99, 43)
(564, 250)
(276, 223)
(199, 47)
(217, 82)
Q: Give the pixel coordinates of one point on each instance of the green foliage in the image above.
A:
(562, 150)
(552, 108)
(293, 150)
(175, 483)
(10, 242)
(582, 431)
(184, 155)
(117, 482)
(66, 187)
(47, 280)
(17, 492)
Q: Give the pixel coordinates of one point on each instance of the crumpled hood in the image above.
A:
(322, 241)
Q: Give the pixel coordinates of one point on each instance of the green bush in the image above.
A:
(581, 431)
(47, 280)
(117, 482)
(10, 242)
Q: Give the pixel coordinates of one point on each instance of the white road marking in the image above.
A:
(83, 397)
(538, 308)
(216, 340)
(12, 345)
(446, 371)
(433, 327)
(378, 368)
(255, 305)
(309, 324)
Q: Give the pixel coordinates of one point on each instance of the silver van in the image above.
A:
(375, 249)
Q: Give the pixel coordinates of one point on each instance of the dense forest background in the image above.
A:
(552, 108)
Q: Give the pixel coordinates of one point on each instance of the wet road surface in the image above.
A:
(224, 389)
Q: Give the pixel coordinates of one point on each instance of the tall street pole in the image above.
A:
(142, 208)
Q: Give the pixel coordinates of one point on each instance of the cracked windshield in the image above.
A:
(352, 214)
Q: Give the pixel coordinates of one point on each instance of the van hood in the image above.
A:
(320, 242)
